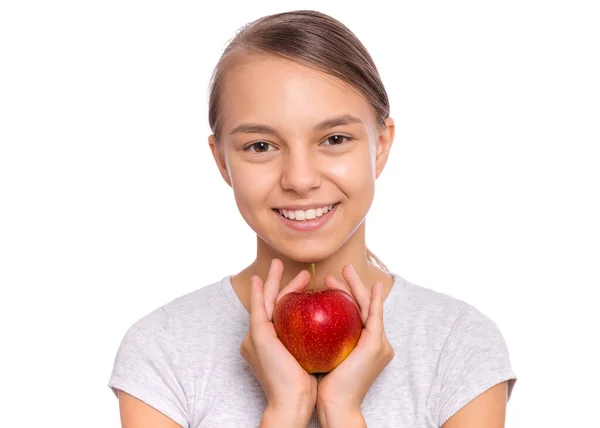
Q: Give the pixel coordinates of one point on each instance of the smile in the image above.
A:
(305, 221)
(302, 215)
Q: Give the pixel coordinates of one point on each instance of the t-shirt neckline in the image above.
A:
(397, 289)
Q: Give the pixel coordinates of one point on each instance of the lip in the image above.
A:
(308, 225)
(305, 207)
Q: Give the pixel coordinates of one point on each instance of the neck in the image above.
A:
(353, 252)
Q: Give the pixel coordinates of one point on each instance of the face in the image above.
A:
(278, 152)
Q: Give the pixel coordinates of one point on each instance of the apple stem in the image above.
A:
(312, 265)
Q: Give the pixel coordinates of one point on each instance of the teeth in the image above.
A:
(306, 215)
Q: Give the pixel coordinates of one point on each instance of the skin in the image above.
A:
(137, 414)
(299, 164)
(303, 166)
(488, 410)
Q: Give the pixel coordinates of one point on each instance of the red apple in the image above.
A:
(319, 328)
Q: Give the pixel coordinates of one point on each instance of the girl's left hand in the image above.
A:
(345, 386)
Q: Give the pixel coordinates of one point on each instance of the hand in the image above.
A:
(286, 384)
(345, 386)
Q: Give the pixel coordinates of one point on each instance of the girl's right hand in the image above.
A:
(286, 384)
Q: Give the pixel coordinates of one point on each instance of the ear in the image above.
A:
(219, 156)
(384, 144)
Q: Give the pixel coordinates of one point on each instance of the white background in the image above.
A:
(111, 204)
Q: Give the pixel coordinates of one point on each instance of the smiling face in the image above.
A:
(293, 137)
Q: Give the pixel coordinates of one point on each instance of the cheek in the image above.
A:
(251, 183)
(354, 173)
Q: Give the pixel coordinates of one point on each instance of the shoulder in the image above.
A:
(456, 317)
(431, 308)
(446, 323)
(448, 330)
(184, 310)
(466, 348)
(151, 363)
(160, 339)
(179, 325)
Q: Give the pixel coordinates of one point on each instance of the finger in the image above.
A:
(359, 291)
(245, 348)
(334, 283)
(375, 321)
(272, 284)
(258, 315)
(297, 284)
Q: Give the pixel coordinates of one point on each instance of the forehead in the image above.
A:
(286, 95)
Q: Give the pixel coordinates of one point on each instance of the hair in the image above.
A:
(309, 38)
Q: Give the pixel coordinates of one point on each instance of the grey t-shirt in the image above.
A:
(183, 359)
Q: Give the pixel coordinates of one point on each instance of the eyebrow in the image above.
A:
(257, 128)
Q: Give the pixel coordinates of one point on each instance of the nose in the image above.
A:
(300, 171)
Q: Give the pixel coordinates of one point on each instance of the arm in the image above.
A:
(284, 418)
(330, 417)
(341, 391)
(137, 414)
(488, 410)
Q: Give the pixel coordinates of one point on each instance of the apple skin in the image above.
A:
(319, 328)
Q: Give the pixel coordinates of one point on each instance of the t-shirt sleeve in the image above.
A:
(148, 366)
(474, 359)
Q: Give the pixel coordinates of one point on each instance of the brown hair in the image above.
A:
(312, 39)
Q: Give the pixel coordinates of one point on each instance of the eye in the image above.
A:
(337, 140)
(259, 147)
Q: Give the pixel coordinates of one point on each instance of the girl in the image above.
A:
(301, 131)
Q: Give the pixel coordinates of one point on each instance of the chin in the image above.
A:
(308, 255)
